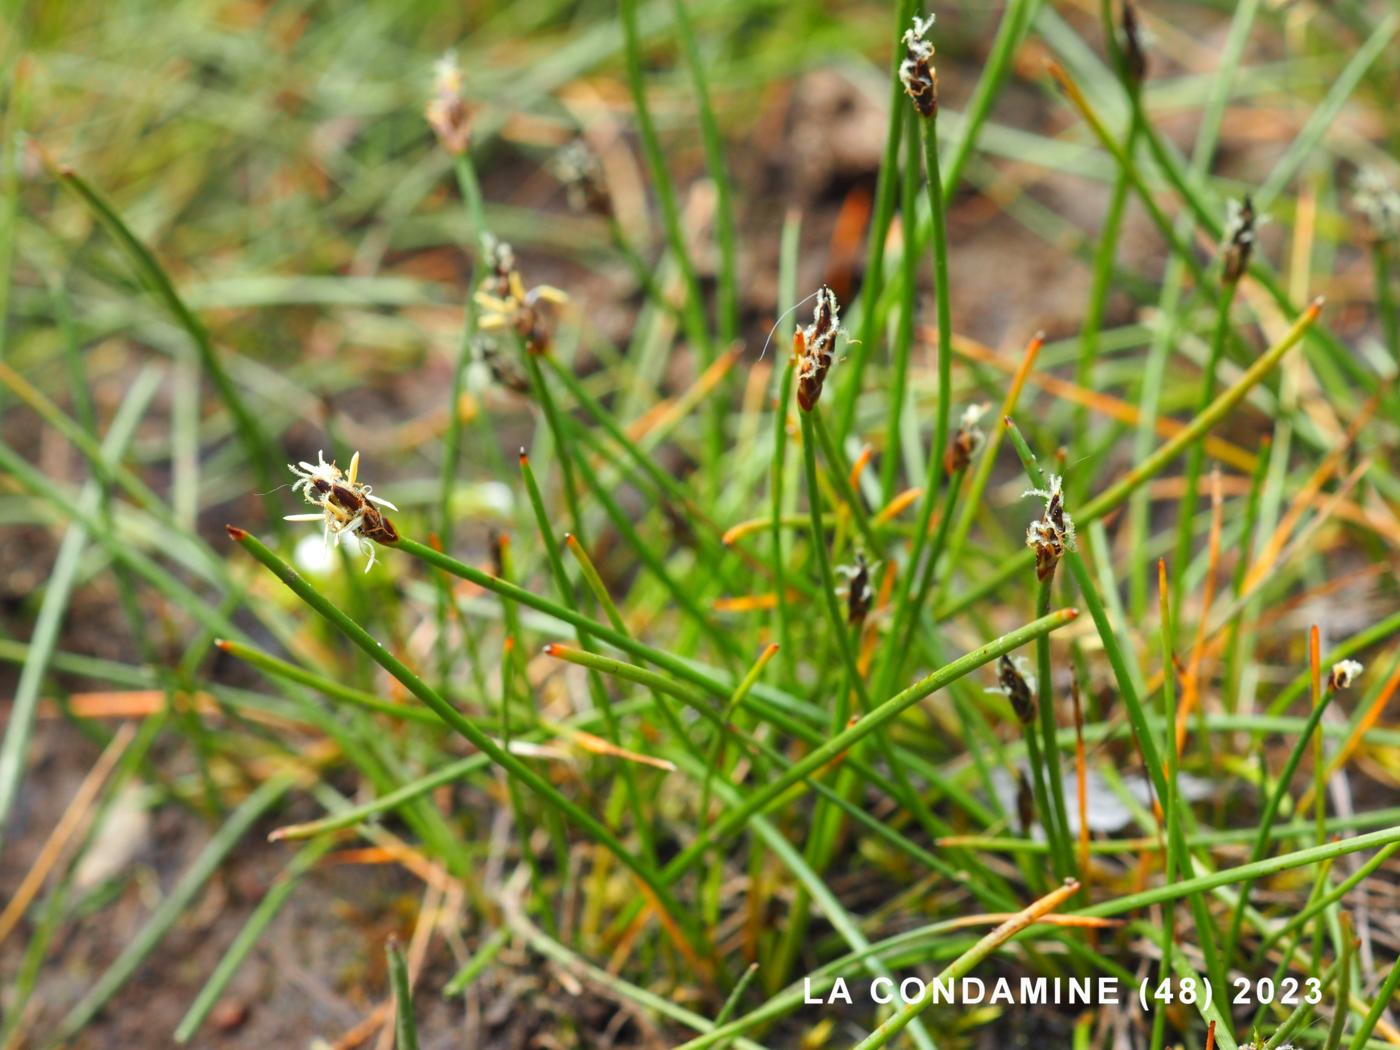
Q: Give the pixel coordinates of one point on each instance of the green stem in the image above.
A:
(405, 1024)
(464, 726)
(1186, 512)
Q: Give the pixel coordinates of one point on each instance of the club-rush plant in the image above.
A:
(750, 679)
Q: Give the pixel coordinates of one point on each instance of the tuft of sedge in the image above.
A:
(916, 72)
(1012, 683)
(1134, 55)
(1237, 244)
(814, 347)
(446, 111)
(1344, 674)
(967, 442)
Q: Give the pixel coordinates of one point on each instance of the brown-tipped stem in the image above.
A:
(235, 533)
(964, 963)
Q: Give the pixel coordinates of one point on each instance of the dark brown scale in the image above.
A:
(1047, 556)
(377, 527)
(1017, 690)
(1055, 513)
(347, 499)
(1051, 546)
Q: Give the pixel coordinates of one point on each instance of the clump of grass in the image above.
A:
(709, 697)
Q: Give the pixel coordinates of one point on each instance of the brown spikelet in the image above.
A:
(916, 72)
(815, 346)
(1239, 241)
(1017, 690)
(1134, 56)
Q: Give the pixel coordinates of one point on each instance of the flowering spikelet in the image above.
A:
(858, 592)
(1237, 245)
(578, 169)
(506, 305)
(814, 346)
(446, 111)
(916, 72)
(1052, 533)
(347, 507)
(1016, 682)
(967, 442)
(1344, 673)
(1378, 201)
